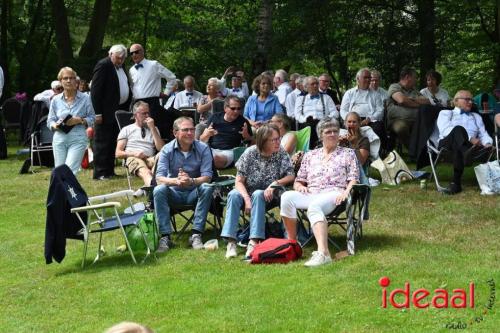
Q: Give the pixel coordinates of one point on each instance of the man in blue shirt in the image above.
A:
(183, 173)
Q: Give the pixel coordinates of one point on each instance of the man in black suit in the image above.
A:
(109, 91)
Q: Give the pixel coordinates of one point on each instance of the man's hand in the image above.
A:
(248, 205)
(268, 194)
(183, 179)
(210, 131)
(150, 123)
(366, 121)
(139, 154)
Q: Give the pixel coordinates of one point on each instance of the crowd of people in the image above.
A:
(259, 115)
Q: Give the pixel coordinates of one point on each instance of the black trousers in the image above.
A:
(105, 136)
(458, 143)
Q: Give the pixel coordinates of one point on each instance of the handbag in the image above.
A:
(393, 169)
(488, 177)
(274, 250)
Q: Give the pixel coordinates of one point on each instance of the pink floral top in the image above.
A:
(327, 175)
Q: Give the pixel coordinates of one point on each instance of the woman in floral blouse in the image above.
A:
(324, 181)
(258, 169)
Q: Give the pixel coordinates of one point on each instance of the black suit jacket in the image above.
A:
(105, 90)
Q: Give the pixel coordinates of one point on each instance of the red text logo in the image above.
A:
(422, 298)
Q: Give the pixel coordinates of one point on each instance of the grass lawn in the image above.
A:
(416, 236)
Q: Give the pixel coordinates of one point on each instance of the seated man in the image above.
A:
(187, 97)
(138, 143)
(403, 103)
(462, 132)
(366, 103)
(183, 171)
(226, 131)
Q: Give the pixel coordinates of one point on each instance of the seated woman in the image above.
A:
(208, 105)
(436, 95)
(323, 182)
(288, 139)
(354, 139)
(259, 167)
(264, 105)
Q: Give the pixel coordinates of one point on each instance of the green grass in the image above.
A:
(414, 235)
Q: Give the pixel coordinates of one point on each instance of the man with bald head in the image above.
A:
(462, 132)
(109, 92)
(145, 76)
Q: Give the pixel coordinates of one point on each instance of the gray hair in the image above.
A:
(360, 72)
(324, 124)
(230, 98)
(282, 74)
(263, 133)
(180, 120)
(119, 49)
(307, 81)
(139, 104)
(375, 72)
(300, 79)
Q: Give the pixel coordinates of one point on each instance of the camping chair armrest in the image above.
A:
(98, 206)
(119, 194)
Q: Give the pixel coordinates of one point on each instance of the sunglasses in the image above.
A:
(135, 52)
(185, 130)
(143, 132)
(234, 108)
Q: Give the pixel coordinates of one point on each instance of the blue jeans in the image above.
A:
(164, 196)
(257, 215)
(68, 148)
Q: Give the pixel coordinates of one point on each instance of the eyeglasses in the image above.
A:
(59, 88)
(135, 52)
(467, 99)
(330, 132)
(65, 78)
(143, 132)
(144, 113)
(234, 108)
(274, 140)
(185, 130)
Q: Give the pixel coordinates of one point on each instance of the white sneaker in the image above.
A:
(139, 193)
(250, 246)
(318, 259)
(195, 241)
(231, 250)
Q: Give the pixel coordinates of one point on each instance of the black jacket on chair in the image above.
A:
(64, 193)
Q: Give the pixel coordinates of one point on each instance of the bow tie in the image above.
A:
(236, 89)
(189, 94)
(314, 97)
(465, 112)
(138, 66)
(303, 93)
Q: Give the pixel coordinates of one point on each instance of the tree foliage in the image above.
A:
(203, 37)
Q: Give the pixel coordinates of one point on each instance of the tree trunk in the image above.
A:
(264, 31)
(92, 46)
(146, 23)
(426, 17)
(4, 60)
(496, 81)
(63, 37)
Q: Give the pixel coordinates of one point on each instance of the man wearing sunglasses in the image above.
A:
(462, 132)
(183, 173)
(138, 144)
(226, 131)
(145, 76)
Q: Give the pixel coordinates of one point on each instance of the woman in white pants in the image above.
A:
(324, 181)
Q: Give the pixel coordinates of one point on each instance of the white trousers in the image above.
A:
(317, 205)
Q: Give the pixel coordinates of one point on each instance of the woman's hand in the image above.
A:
(301, 188)
(268, 194)
(248, 205)
(342, 197)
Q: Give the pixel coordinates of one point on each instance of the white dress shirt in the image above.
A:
(123, 81)
(45, 96)
(364, 102)
(290, 102)
(313, 107)
(381, 93)
(283, 90)
(146, 78)
(241, 92)
(182, 100)
(471, 121)
(442, 95)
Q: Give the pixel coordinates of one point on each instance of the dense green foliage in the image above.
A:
(203, 37)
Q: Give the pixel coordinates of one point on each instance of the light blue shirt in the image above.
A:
(197, 162)
(471, 121)
(271, 107)
(81, 107)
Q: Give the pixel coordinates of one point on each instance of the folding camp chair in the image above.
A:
(11, 114)
(124, 118)
(303, 138)
(41, 146)
(497, 135)
(349, 216)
